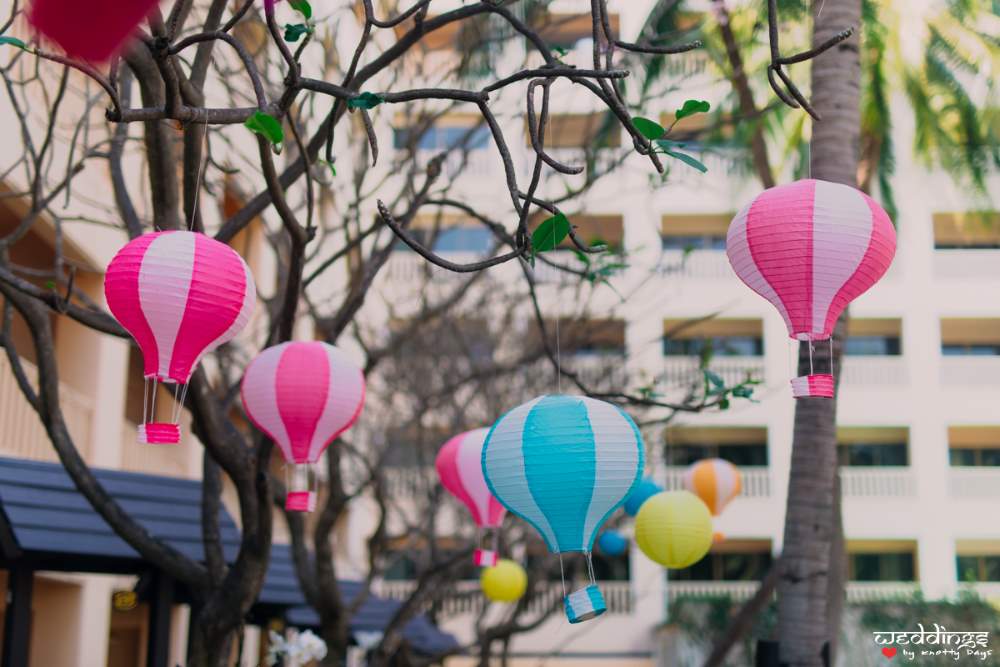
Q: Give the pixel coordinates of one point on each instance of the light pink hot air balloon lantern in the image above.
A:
(459, 465)
(810, 248)
(89, 30)
(180, 294)
(303, 395)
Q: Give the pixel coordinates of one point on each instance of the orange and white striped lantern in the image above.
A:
(715, 481)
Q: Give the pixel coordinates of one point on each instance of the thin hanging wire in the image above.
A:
(562, 575)
(197, 182)
(590, 568)
(831, 355)
(152, 407)
(145, 400)
(558, 360)
(811, 371)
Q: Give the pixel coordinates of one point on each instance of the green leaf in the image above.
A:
(550, 233)
(688, 160)
(743, 391)
(648, 128)
(268, 127)
(667, 144)
(50, 285)
(691, 107)
(295, 31)
(724, 404)
(365, 101)
(302, 7)
(14, 41)
(559, 51)
(714, 379)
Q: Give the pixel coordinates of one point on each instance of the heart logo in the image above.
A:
(889, 652)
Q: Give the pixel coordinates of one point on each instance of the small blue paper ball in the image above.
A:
(612, 543)
(643, 491)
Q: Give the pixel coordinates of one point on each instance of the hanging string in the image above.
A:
(197, 182)
(590, 568)
(558, 360)
(152, 407)
(811, 371)
(831, 355)
(562, 574)
(145, 400)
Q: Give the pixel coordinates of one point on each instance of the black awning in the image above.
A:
(47, 524)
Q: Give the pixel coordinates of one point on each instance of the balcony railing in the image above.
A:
(874, 371)
(971, 371)
(857, 591)
(465, 597)
(877, 482)
(988, 590)
(686, 371)
(700, 264)
(23, 433)
(755, 481)
(972, 264)
(974, 482)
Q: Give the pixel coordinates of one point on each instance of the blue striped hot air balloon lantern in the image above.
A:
(564, 464)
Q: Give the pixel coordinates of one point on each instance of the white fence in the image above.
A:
(756, 482)
(877, 482)
(974, 482)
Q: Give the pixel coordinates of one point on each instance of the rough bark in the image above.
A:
(806, 600)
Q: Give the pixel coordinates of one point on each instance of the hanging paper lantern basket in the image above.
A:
(564, 464)
(810, 248)
(180, 295)
(302, 395)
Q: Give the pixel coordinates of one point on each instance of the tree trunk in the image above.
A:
(806, 601)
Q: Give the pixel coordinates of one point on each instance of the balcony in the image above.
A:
(970, 371)
(755, 482)
(466, 598)
(875, 371)
(696, 264)
(24, 434)
(683, 371)
(877, 482)
(857, 591)
(974, 482)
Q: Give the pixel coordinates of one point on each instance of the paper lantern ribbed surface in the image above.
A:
(88, 29)
(564, 464)
(303, 395)
(459, 465)
(810, 248)
(180, 295)
(715, 481)
(674, 529)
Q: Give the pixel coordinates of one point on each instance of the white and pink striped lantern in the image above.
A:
(180, 295)
(303, 395)
(810, 248)
(459, 465)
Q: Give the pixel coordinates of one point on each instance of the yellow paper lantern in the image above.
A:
(504, 582)
(674, 529)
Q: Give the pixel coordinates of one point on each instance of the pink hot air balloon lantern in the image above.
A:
(810, 248)
(459, 465)
(89, 29)
(303, 395)
(180, 295)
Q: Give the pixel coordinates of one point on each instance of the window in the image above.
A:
(873, 446)
(986, 456)
(589, 337)
(445, 234)
(719, 346)
(974, 446)
(591, 230)
(873, 454)
(580, 130)
(970, 337)
(874, 337)
(566, 31)
(441, 138)
(877, 566)
(726, 566)
(741, 446)
(611, 568)
(978, 568)
(694, 232)
(405, 564)
(967, 231)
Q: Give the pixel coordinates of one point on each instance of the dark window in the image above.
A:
(873, 346)
(978, 456)
(720, 346)
(403, 566)
(443, 138)
(700, 242)
(750, 454)
(970, 245)
(970, 349)
(882, 567)
(726, 567)
(873, 454)
(978, 568)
